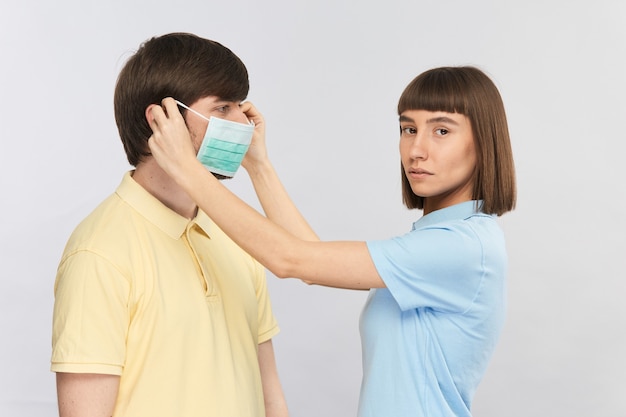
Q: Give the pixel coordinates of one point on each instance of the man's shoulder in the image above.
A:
(106, 224)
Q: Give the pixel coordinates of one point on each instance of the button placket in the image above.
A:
(206, 281)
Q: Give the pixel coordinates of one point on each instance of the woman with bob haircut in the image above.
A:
(437, 300)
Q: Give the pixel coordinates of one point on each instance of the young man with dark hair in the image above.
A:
(157, 312)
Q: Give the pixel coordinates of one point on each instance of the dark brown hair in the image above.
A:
(179, 65)
(469, 91)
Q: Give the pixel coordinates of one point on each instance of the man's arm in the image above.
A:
(275, 404)
(86, 395)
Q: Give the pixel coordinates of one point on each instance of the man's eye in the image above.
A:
(408, 130)
(223, 109)
(442, 131)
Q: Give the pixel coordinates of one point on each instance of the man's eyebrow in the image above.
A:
(406, 119)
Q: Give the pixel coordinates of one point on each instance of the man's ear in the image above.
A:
(149, 116)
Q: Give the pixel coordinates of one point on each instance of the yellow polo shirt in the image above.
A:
(171, 305)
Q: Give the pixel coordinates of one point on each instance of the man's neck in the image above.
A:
(150, 176)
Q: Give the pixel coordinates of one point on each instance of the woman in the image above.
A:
(437, 303)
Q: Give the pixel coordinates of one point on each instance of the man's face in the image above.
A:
(211, 106)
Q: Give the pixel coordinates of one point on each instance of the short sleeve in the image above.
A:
(436, 267)
(91, 316)
(268, 326)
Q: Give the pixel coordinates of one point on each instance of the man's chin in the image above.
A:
(220, 176)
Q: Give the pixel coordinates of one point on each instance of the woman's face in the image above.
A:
(438, 156)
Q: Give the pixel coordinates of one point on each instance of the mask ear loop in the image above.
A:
(181, 104)
(191, 110)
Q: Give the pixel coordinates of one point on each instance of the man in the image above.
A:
(157, 312)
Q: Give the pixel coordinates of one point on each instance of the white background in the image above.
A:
(327, 76)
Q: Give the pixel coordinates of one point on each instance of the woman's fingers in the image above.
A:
(170, 142)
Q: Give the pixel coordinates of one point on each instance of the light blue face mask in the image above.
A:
(224, 145)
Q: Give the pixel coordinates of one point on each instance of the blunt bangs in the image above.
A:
(440, 89)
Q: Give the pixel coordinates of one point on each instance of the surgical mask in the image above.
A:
(224, 145)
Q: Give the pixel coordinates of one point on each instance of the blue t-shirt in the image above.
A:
(427, 338)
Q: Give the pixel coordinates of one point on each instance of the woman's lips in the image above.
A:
(419, 173)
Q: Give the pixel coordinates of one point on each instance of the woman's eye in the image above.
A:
(441, 131)
(408, 130)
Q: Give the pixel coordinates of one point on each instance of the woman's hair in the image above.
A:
(179, 65)
(468, 91)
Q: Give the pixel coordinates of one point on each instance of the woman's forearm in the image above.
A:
(334, 264)
(269, 243)
(277, 203)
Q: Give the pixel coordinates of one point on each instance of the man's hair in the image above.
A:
(469, 91)
(179, 65)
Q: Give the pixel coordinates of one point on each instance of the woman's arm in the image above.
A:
(276, 203)
(335, 264)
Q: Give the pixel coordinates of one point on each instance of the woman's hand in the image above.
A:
(257, 152)
(170, 143)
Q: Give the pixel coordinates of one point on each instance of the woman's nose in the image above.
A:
(418, 148)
